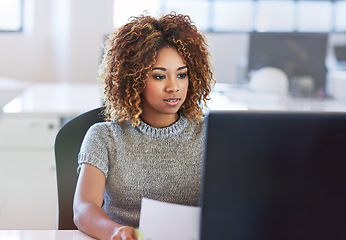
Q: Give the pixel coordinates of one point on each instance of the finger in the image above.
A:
(127, 234)
(134, 235)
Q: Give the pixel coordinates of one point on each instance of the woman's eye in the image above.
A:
(159, 77)
(182, 75)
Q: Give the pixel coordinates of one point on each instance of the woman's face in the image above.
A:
(166, 89)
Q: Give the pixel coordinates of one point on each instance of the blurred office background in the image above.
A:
(50, 51)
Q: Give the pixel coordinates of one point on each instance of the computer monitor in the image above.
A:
(274, 175)
(340, 55)
(299, 55)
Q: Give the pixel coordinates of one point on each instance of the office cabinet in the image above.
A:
(28, 192)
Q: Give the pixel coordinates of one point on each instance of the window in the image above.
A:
(245, 15)
(11, 13)
(340, 16)
(274, 16)
(317, 20)
(124, 9)
(194, 8)
(233, 16)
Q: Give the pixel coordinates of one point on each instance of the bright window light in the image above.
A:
(340, 18)
(125, 9)
(314, 16)
(198, 10)
(10, 15)
(233, 16)
(274, 16)
(244, 15)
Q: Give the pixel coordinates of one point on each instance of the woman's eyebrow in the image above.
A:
(159, 68)
(164, 69)
(183, 67)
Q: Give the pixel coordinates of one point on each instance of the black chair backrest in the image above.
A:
(67, 146)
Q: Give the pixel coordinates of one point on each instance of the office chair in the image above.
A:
(67, 145)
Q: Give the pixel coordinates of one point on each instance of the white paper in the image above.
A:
(167, 221)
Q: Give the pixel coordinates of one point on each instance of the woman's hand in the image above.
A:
(125, 233)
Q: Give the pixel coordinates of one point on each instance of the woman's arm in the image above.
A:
(88, 214)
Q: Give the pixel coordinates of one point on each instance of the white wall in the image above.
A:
(27, 55)
(62, 41)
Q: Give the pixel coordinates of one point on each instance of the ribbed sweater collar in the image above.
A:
(166, 132)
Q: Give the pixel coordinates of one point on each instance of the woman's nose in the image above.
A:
(172, 85)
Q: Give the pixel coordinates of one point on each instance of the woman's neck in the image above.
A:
(160, 121)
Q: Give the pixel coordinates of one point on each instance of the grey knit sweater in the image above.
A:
(157, 163)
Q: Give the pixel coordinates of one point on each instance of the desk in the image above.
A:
(58, 98)
(43, 235)
(9, 89)
(241, 97)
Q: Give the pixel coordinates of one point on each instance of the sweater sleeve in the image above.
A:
(94, 148)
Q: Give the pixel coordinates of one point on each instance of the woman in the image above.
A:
(155, 76)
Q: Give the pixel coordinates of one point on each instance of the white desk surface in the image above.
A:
(56, 99)
(10, 88)
(241, 97)
(43, 235)
(71, 99)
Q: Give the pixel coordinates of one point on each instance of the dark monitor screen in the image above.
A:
(340, 53)
(297, 54)
(274, 175)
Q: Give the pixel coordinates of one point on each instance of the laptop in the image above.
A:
(274, 176)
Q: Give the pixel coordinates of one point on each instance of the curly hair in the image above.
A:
(130, 54)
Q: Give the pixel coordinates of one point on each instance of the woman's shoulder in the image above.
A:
(100, 127)
(108, 128)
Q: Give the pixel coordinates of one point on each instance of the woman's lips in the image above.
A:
(172, 101)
